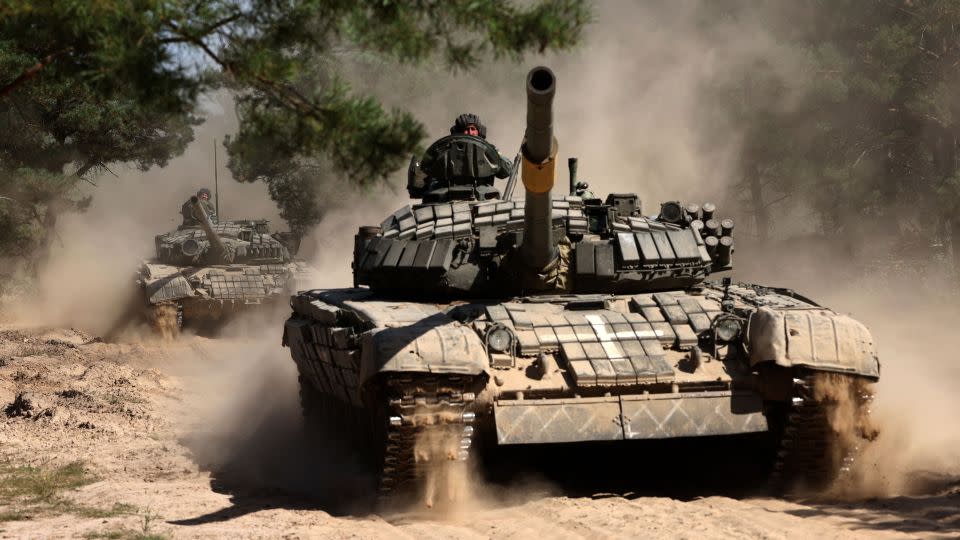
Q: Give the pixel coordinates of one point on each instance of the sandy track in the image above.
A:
(202, 439)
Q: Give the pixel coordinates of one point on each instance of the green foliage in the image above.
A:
(296, 191)
(301, 123)
(76, 97)
(27, 491)
(86, 84)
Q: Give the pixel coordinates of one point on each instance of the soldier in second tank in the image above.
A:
(190, 219)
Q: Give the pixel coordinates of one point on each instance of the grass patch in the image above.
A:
(13, 515)
(27, 492)
(37, 485)
(118, 509)
(146, 520)
(123, 534)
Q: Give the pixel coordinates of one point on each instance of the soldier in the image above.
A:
(192, 220)
(469, 124)
(448, 172)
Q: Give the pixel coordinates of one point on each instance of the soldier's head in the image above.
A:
(203, 194)
(469, 124)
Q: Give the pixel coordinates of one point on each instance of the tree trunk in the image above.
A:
(761, 215)
(49, 226)
(945, 160)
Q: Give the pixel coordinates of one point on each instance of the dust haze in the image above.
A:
(630, 106)
(247, 429)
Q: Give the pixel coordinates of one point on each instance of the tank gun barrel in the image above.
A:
(204, 219)
(539, 153)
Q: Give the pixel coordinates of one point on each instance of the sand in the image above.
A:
(201, 438)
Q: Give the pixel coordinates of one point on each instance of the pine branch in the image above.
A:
(32, 71)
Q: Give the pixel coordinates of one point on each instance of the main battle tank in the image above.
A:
(564, 318)
(205, 272)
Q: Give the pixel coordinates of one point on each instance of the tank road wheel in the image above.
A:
(166, 319)
(822, 431)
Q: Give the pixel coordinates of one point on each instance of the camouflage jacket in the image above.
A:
(190, 220)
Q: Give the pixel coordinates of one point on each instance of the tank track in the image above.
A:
(813, 451)
(166, 318)
(428, 420)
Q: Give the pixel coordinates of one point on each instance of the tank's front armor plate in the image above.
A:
(628, 417)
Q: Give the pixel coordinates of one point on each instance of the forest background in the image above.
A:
(842, 119)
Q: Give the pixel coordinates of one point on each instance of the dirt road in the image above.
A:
(201, 439)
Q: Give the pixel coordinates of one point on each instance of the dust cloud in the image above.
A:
(911, 314)
(916, 397)
(631, 101)
(241, 402)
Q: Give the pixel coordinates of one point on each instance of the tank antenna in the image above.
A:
(572, 166)
(216, 181)
(512, 181)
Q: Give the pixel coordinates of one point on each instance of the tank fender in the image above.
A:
(818, 339)
(168, 288)
(450, 348)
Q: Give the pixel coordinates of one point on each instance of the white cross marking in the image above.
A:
(600, 327)
(607, 339)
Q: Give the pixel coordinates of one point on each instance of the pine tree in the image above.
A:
(84, 85)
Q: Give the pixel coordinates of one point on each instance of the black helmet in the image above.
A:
(206, 191)
(464, 120)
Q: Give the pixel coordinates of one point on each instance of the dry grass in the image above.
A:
(27, 492)
(146, 519)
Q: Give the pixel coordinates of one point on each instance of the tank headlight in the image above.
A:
(499, 339)
(727, 329)
(190, 247)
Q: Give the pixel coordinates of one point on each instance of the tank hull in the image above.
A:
(577, 368)
(211, 294)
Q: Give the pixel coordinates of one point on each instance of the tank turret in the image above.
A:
(462, 238)
(219, 249)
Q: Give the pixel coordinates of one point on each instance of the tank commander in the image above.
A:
(469, 124)
(459, 166)
(189, 217)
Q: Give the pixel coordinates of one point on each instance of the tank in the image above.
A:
(563, 318)
(204, 273)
